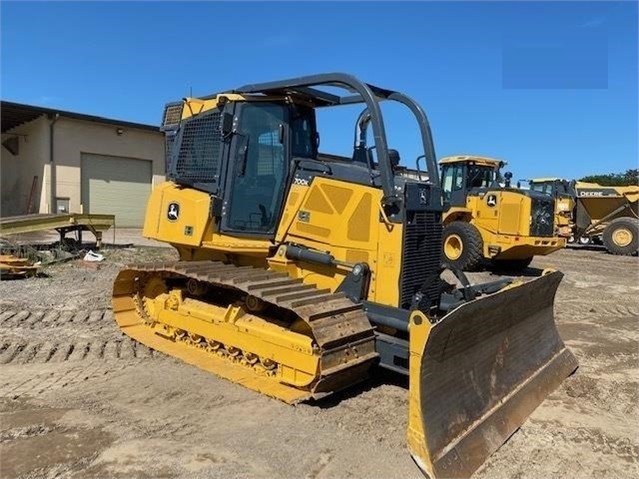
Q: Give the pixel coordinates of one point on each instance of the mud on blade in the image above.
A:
(477, 374)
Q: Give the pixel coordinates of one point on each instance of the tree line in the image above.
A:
(629, 178)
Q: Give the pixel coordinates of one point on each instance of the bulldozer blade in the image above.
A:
(476, 375)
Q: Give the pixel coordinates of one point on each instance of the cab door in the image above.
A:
(257, 172)
(453, 185)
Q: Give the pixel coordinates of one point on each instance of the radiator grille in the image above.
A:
(543, 217)
(169, 141)
(421, 256)
(172, 115)
(198, 157)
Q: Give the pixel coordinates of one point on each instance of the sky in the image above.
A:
(550, 87)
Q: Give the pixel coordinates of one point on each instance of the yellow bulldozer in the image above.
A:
(485, 222)
(301, 273)
(605, 215)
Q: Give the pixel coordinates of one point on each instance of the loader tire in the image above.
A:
(621, 236)
(463, 246)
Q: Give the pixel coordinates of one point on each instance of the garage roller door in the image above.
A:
(116, 185)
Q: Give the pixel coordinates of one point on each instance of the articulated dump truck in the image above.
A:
(564, 195)
(301, 273)
(607, 215)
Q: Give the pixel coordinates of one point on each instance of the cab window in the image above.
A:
(260, 169)
(479, 176)
(452, 179)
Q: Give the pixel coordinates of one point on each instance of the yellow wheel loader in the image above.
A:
(606, 215)
(300, 273)
(487, 223)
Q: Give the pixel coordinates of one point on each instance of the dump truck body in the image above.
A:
(300, 272)
(608, 214)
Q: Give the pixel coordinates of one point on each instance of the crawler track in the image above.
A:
(341, 337)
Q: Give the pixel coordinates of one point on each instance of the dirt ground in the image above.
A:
(78, 399)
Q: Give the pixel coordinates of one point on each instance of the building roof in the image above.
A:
(15, 114)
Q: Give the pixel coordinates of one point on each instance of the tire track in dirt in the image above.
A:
(14, 318)
(47, 318)
(73, 346)
(64, 373)
(65, 336)
(21, 352)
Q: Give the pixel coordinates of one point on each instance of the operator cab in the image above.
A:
(555, 187)
(239, 151)
(462, 175)
(247, 147)
(267, 135)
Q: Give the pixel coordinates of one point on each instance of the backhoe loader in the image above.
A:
(301, 273)
(486, 223)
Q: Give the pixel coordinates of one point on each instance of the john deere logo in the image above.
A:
(173, 213)
(491, 200)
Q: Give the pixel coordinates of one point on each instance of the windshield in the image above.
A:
(260, 169)
(542, 188)
(480, 176)
(558, 188)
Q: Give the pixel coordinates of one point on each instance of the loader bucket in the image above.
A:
(476, 375)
